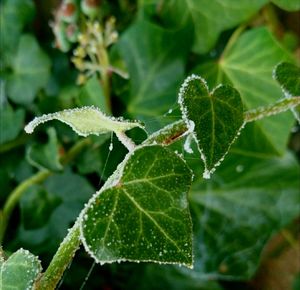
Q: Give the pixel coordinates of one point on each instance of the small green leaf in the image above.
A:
(45, 156)
(31, 70)
(141, 213)
(85, 121)
(11, 123)
(20, 271)
(288, 76)
(214, 118)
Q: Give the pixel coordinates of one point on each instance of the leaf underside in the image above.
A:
(85, 121)
(217, 118)
(141, 214)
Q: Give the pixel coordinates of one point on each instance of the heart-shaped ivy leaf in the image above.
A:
(20, 271)
(214, 118)
(141, 214)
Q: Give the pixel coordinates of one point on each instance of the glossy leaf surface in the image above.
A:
(141, 214)
(19, 271)
(215, 118)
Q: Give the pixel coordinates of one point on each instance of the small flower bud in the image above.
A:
(61, 41)
(90, 8)
(69, 11)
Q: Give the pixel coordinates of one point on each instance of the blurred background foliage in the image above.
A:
(246, 218)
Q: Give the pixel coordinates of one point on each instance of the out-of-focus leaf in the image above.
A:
(238, 211)
(141, 213)
(215, 118)
(155, 61)
(92, 95)
(248, 66)
(37, 206)
(45, 156)
(14, 15)
(19, 271)
(162, 277)
(85, 121)
(206, 18)
(290, 5)
(11, 123)
(73, 191)
(31, 69)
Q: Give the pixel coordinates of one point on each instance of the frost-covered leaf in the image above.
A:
(248, 65)
(31, 70)
(290, 5)
(238, 210)
(11, 123)
(288, 76)
(45, 156)
(214, 118)
(207, 19)
(19, 271)
(156, 65)
(141, 214)
(85, 121)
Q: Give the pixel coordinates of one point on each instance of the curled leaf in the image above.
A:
(85, 121)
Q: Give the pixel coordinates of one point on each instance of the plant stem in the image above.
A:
(39, 177)
(61, 260)
(126, 141)
(15, 196)
(13, 144)
(279, 107)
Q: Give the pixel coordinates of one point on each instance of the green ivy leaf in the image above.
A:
(238, 210)
(85, 121)
(37, 205)
(141, 213)
(208, 19)
(156, 65)
(11, 123)
(248, 65)
(13, 17)
(20, 271)
(31, 69)
(288, 76)
(290, 5)
(45, 156)
(214, 118)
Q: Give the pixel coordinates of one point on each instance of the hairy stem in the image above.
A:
(39, 177)
(61, 260)
(279, 107)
